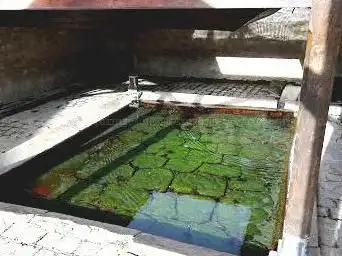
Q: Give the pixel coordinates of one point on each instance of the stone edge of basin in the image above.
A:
(141, 244)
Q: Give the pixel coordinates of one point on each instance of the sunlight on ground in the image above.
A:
(257, 4)
(260, 67)
(15, 4)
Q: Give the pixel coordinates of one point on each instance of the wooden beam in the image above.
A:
(121, 4)
(320, 64)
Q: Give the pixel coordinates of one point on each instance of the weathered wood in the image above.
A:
(110, 4)
(321, 57)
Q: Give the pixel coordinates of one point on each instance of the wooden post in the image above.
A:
(320, 61)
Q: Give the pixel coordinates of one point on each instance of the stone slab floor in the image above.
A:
(33, 234)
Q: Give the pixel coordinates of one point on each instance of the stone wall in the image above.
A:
(38, 60)
(38, 56)
(193, 52)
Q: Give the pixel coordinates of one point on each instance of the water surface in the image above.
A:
(208, 178)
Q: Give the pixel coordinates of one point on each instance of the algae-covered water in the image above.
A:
(208, 178)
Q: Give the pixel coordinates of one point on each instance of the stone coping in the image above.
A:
(137, 243)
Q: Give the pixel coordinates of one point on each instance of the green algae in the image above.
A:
(123, 200)
(234, 160)
(88, 197)
(152, 179)
(146, 160)
(248, 198)
(118, 175)
(204, 185)
(183, 164)
(248, 185)
(221, 170)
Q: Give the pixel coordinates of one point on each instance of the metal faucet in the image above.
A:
(133, 87)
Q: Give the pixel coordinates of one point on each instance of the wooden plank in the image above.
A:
(109, 4)
(130, 20)
(320, 64)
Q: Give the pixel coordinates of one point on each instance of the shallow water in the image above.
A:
(205, 178)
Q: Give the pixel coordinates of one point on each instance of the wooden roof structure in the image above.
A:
(119, 4)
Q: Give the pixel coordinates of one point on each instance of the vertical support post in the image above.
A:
(320, 61)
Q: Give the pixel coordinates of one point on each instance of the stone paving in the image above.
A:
(29, 234)
(330, 191)
(14, 227)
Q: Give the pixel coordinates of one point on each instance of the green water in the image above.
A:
(206, 178)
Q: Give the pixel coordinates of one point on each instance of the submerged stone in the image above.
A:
(254, 249)
(189, 135)
(228, 149)
(230, 168)
(247, 198)
(146, 160)
(57, 182)
(183, 164)
(118, 175)
(248, 185)
(123, 200)
(194, 210)
(256, 151)
(233, 218)
(177, 152)
(204, 185)
(152, 179)
(205, 156)
(160, 205)
(221, 170)
(88, 197)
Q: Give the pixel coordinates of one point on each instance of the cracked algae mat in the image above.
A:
(208, 178)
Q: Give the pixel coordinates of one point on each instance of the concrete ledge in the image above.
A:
(137, 243)
(208, 100)
(232, 68)
(64, 125)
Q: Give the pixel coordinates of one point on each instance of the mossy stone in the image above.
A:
(211, 138)
(118, 175)
(88, 197)
(247, 198)
(132, 139)
(195, 145)
(248, 185)
(259, 215)
(189, 135)
(239, 161)
(177, 152)
(123, 200)
(253, 249)
(256, 151)
(267, 233)
(204, 185)
(173, 138)
(183, 164)
(152, 179)
(228, 149)
(57, 182)
(221, 170)
(205, 156)
(146, 160)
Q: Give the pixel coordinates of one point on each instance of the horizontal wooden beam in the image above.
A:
(121, 4)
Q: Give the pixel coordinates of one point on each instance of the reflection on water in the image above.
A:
(195, 221)
(205, 178)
